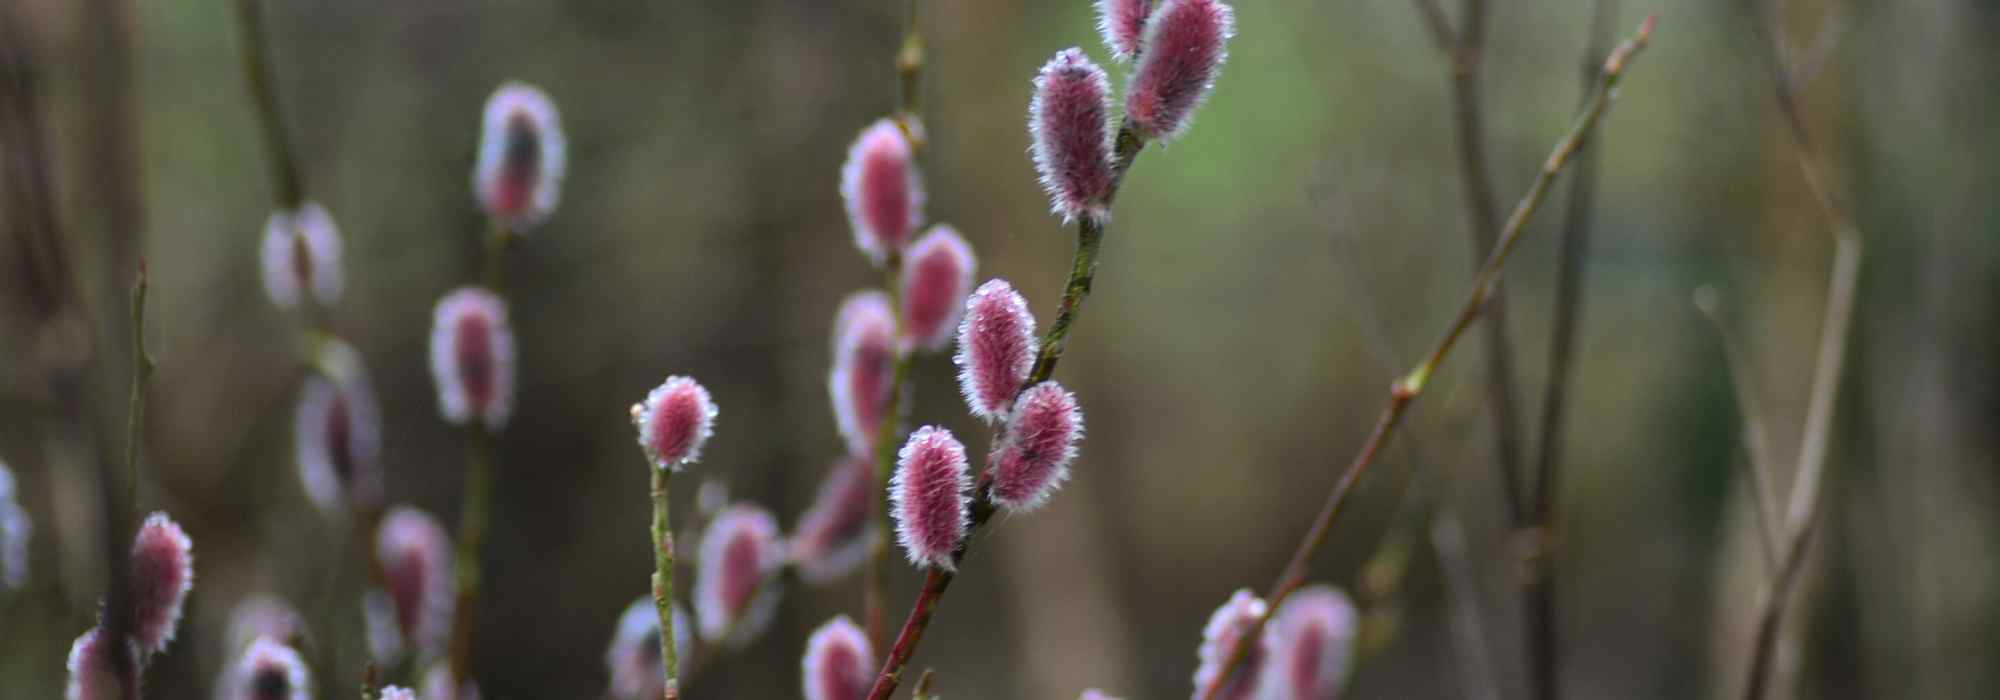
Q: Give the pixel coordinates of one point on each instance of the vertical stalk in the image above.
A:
(1536, 534)
(289, 187)
(471, 544)
(663, 580)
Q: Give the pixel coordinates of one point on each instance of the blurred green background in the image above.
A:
(1263, 281)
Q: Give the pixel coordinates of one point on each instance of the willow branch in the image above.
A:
(1802, 512)
(289, 190)
(1083, 271)
(1406, 389)
(886, 435)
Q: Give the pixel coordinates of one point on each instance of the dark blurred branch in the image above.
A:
(1469, 125)
(1802, 513)
(1536, 537)
(1407, 388)
(1469, 630)
(909, 81)
(475, 503)
(1083, 270)
(287, 184)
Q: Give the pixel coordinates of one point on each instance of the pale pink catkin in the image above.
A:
(674, 421)
(1311, 640)
(522, 157)
(1033, 460)
(739, 552)
(1122, 22)
(1226, 629)
(996, 348)
(1183, 49)
(882, 190)
(1070, 133)
(839, 663)
(472, 358)
(937, 275)
(929, 497)
(162, 575)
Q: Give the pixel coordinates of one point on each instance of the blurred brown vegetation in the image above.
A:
(1264, 279)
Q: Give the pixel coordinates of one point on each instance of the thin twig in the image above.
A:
(1537, 538)
(1743, 377)
(288, 187)
(1407, 388)
(1083, 271)
(1802, 513)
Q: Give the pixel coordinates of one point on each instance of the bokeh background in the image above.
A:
(1265, 278)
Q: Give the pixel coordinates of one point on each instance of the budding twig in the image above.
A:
(1411, 385)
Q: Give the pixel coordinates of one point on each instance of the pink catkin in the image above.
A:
(862, 374)
(338, 438)
(839, 663)
(1185, 44)
(300, 256)
(396, 692)
(1311, 639)
(996, 348)
(937, 275)
(1042, 435)
(1069, 127)
(674, 421)
(882, 190)
(93, 668)
(268, 670)
(472, 358)
(1122, 22)
(522, 156)
(415, 556)
(928, 497)
(637, 670)
(162, 575)
(738, 552)
(831, 537)
(1219, 638)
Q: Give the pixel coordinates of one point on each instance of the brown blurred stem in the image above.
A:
(473, 515)
(286, 181)
(1802, 512)
(1083, 270)
(1536, 538)
(1406, 389)
(1464, 47)
(886, 441)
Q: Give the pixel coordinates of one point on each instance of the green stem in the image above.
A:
(663, 580)
(471, 544)
(290, 193)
